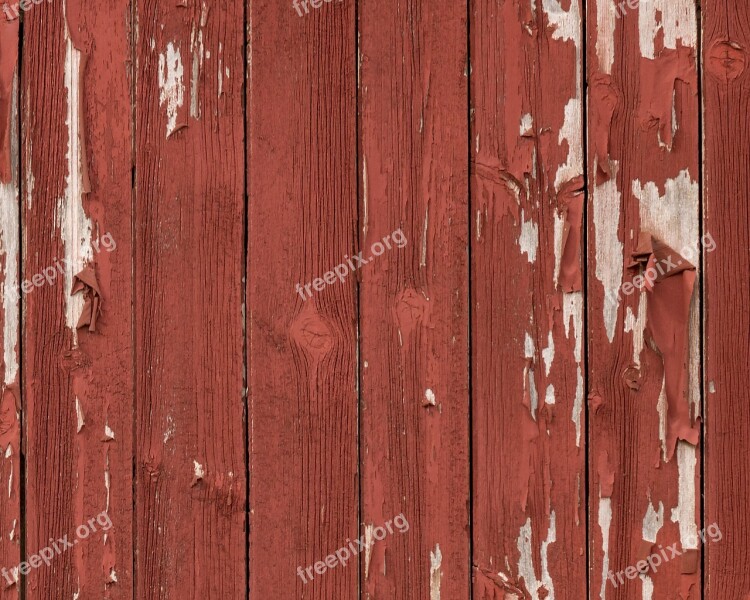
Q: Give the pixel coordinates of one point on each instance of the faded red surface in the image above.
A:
(528, 463)
(527, 379)
(726, 92)
(414, 321)
(643, 145)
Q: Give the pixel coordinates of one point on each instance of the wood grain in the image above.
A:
(189, 240)
(77, 388)
(643, 176)
(414, 441)
(10, 316)
(726, 96)
(302, 353)
(527, 301)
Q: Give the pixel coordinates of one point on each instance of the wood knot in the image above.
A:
(311, 332)
(70, 360)
(412, 309)
(726, 61)
(632, 377)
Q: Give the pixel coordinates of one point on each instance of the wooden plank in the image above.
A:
(10, 425)
(189, 264)
(644, 367)
(726, 93)
(527, 300)
(302, 346)
(414, 299)
(77, 384)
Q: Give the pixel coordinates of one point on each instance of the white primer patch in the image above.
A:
(678, 22)
(684, 512)
(75, 226)
(369, 541)
(661, 408)
(609, 249)
(196, 49)
(573, 309)
(9, 246)
(605, 521)
(673, 218)
(429, 397)
(423, 255)
(9, 249)
(571, 131)
(528, 240)
(79, 416)
(526, 562)
(606, 21)
(364, 196)
(436, 561)
(528, 375)
(549, 396)
(636, 324)
(548, 354)
(172, 89)
(559, 230)
(527, 124)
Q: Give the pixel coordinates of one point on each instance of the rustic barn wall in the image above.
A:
(341, 299)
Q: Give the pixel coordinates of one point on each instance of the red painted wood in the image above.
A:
(302, 354)
(527, 301)
(10, 403)
(414, 369)
(77, 383)
(726, 93)
(190, 460)
(644, 487)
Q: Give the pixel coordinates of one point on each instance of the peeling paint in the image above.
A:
(605, 521)
(684, 513)
(676, 21)
(542, 588)
(606, 21)
(528, 240)
(172, 89)
(75, 226)
(573, 310)
(436, 561)
(571, 132)
(609, 249)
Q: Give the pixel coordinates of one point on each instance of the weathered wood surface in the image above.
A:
(529, 431)
(190, 463)
(726, 349)
(414, 327)
(302, 347)
(77, 378)
(533, 379)
(644, 364)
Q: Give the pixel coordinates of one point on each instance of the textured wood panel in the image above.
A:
(644, 366)
(77, 355)
(726, 225)
(10, 406)
(529, 443)
(302, 345)
(189, 263)
(414, 355)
